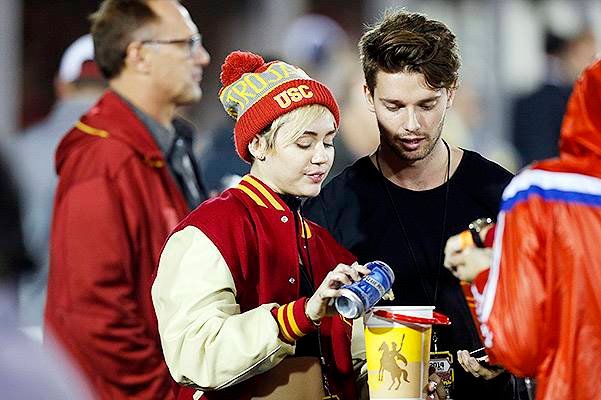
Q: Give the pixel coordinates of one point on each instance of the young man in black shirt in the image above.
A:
(403, 202)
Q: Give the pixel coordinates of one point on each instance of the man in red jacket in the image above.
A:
(126, 177)
(539, 304)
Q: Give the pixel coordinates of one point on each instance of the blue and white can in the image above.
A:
(361, 296)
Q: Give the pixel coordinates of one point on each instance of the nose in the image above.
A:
(320, 155)
(201, 56)
(412, 122)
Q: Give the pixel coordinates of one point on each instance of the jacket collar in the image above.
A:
(266, 198)
(262, 194)
(112, 115)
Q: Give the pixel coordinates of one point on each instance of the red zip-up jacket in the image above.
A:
(115, 205)
(540, 303)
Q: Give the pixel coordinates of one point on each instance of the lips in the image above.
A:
(316, 177)
(411, 143)
(197, 76)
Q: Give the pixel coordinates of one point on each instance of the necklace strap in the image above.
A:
(404, 230)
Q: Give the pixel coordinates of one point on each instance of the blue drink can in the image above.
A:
(361, 296)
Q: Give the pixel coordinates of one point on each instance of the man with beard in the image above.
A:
(126, 178)
(404, 201)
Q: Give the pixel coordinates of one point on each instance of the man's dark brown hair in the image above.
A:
(113, 28)
(410, 42)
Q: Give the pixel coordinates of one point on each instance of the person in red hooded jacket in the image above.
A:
(122, 187)
(539, 304)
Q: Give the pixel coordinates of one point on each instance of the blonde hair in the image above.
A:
(301, 118)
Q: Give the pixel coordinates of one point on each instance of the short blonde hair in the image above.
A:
(301, 118)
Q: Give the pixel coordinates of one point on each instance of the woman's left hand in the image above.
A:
(317, 306)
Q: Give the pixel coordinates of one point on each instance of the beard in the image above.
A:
(393, 142)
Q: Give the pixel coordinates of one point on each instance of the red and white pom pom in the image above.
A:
(238, 63)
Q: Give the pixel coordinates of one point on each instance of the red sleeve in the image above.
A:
(511, 306)
(469, 299)
(480, 280)
(93, 306)
(293, 321)
(490, 236)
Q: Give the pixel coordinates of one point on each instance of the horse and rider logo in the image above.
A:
(388, 362)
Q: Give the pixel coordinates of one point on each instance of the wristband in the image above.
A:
(475, 227)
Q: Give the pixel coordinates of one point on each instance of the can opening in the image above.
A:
(347, 308)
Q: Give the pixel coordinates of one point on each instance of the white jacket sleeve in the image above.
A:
(207, 342)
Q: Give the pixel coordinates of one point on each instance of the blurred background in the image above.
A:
(510, 49)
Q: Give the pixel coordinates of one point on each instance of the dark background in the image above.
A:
(50, 26)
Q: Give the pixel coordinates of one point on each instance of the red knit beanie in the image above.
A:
(256, 93)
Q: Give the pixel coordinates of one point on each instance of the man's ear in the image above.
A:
(451, 96)
(137, 57)
(258, 147)
(369, 97)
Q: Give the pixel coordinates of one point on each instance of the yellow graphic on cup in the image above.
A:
(398, 354)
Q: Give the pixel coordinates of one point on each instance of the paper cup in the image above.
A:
(398, 354)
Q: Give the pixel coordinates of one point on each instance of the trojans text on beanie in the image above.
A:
(256, 93)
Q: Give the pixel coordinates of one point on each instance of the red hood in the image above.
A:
(112, 119)
(581, 128)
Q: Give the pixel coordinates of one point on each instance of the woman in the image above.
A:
(244, 283)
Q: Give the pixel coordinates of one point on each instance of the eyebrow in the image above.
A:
(311, 133)
(426, 100)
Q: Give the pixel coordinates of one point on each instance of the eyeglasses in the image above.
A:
(194, 43)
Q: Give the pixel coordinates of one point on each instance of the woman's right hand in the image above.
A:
(318, 305)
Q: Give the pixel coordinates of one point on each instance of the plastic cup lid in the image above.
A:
(437, 318)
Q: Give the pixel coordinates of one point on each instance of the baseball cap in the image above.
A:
(78, 61)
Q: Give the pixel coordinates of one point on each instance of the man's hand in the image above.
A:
(465, 260)
(471, 365)
(435, 388)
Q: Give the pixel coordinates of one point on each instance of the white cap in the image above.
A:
(74, 58)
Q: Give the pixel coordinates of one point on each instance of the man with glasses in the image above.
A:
(126, 177)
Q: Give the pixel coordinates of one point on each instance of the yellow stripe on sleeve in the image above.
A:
(282, 323)
(293, 325)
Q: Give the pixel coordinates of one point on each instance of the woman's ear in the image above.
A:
(258, 148)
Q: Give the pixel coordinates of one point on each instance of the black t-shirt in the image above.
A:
(359, 213)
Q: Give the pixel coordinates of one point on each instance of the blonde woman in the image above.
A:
(245, 283)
